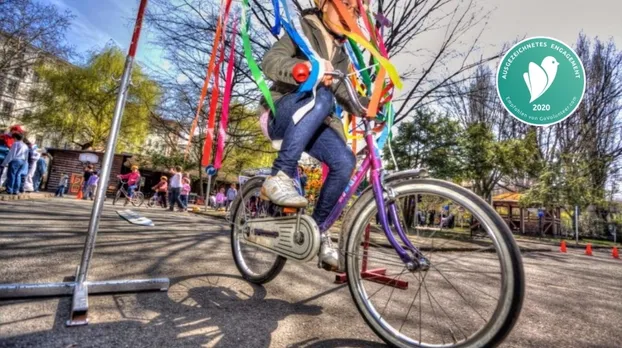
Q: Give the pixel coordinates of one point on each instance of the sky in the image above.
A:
(100, 21)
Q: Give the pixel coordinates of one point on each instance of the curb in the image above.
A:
(568, 244)
(25, 197)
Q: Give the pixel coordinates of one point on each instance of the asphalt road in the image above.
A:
(571, 300)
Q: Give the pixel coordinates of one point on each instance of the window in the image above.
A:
(7, 109)
(32, 96)
(35, 77)
(27, 113)
(12, 87)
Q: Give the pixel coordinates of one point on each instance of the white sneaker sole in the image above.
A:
(264, 196)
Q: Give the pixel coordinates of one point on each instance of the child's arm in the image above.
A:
(279, 61)
(341, 92)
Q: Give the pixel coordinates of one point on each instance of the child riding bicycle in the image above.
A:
(133, 178)
(161, 190)
(318, 132)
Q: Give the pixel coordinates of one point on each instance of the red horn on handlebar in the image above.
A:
(300, 72)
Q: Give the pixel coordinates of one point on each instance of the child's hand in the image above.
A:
(327, 80)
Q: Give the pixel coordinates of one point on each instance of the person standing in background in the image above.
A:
(232, 192)
(88, 171)
(175, 189)
(16, 163)
(62, 184)
(40, 171)
(91, 185)
(33, 158)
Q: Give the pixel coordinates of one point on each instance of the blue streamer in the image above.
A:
(291, 27)
(276, 29)
(311, 82)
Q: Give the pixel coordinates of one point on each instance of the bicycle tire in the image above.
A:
(116, 197)
(240, 262)
(138, 199)
(510, 301)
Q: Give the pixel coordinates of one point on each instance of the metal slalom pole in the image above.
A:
(81, 287)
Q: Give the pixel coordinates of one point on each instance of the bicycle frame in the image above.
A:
(373, 162)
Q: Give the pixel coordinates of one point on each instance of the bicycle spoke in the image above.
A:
(459, 293)
(425, 287)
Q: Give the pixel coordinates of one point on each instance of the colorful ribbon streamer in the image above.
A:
(252, 64)
(224, 118)
(222, 18)
(209, 139)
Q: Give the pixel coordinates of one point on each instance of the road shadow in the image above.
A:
(338, 342)
(215, 310)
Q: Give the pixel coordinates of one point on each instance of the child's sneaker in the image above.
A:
(280, 189)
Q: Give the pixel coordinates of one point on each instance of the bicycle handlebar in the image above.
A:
(301, 73)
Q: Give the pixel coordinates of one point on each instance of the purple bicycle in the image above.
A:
(416, 285)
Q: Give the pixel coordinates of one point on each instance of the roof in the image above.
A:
(507, 197)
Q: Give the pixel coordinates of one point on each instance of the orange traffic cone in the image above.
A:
(79, 196)
(615, 253)
(588, 249)
(562, 247)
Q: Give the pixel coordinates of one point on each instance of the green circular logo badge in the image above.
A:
(541, 81)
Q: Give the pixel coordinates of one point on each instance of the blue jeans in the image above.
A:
(14, 176)
(130, 190)
(175, 197)
(184, 200)
(36, 180)
(60, 191)
(313, 136)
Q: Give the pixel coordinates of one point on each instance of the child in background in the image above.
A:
(62, 184)
(161, 190)
(91, 185)
(221, 198)
(133, 179)
(88, 171)
(185, 192)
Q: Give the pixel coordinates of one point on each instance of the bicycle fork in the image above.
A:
(413, 258)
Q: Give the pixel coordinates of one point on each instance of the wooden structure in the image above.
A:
(526, 220)
(68, 162)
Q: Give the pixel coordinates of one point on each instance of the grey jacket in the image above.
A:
(279, 61)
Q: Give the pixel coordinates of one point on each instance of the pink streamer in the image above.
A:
(224, 119)
(325, 171)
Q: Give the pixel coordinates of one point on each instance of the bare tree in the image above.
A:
(29, 32)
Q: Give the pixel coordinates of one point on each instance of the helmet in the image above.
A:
(16, 129)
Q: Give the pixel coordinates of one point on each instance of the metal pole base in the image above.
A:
(80, 304)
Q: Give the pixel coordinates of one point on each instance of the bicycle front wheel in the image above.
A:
(117, 197)
(472, 293)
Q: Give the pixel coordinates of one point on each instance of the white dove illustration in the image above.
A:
(540, 78)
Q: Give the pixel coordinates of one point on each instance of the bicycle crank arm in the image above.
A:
(281, 236)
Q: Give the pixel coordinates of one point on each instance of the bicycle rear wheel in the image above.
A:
(138, 199)
(255, 264)
(471, 295)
